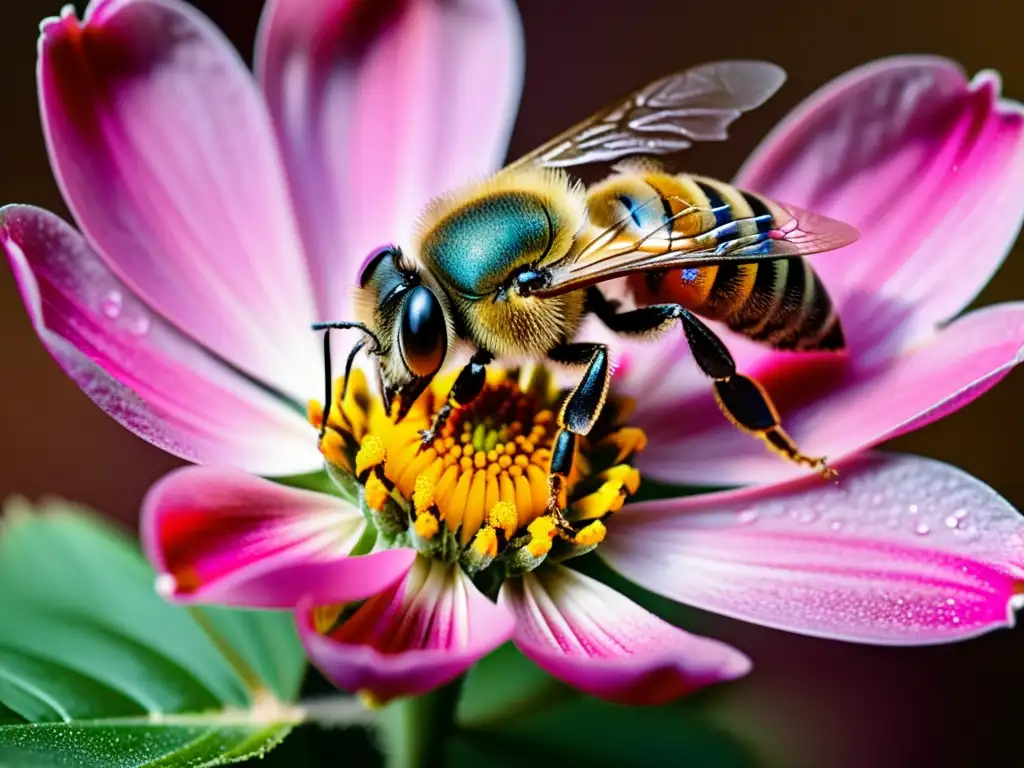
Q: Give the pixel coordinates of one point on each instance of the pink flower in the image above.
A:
(221, 218)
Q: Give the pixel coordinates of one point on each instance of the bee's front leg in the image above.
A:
(468, 385)
(577, 416)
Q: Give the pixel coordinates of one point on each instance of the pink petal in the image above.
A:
(166, 156)
(222, 536)
(927, 165)
(831, 406)
(603, 643)
(903, 551)
(379, 107)
(144, 373)
(419, 634)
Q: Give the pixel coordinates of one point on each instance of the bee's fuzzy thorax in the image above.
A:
(560, 192)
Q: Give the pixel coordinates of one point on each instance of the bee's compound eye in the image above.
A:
(423, 335)
(373, 260)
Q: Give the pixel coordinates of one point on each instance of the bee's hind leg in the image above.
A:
(742, 399)
(577, 416)
(468, 385)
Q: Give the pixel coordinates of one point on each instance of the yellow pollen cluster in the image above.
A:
(484, 479)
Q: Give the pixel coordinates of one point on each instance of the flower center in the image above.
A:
(478, 492)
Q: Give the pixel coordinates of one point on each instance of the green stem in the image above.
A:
(414, 730)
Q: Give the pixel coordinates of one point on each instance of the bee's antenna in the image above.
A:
(327, 328)
(345, 325)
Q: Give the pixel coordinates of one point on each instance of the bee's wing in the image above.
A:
(666, 116)
(615, 252)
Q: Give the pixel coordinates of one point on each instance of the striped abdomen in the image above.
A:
(781, 301)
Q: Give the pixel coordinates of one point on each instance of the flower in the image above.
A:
(929, 167)
(489, 556)
(220, 219)
(902, 551)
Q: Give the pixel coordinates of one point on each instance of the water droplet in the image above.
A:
(110, 306)
(950, 601)
(912, 509)
(960, 514)
(952, 522)
(922, 529)
(747, 516)
(806, 516)
(836, 525)
(956, 619)
(138, 325)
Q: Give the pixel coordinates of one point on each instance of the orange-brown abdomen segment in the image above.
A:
(781, 302)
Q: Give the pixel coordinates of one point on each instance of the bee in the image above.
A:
(513, 264)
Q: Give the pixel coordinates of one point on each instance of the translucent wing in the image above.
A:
(618, 251)
(666, 116)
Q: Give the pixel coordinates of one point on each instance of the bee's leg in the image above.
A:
(742, 399)
(577, 416)
(467, 386)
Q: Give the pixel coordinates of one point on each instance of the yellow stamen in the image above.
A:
(628, 440)
(376, 492)
(325, 617)
(426, 526)
(333, 449)
(485, 477)
(485, 543)
(542, 531)
(503, 515)
(423, 493)
(591, 535)
(371, 453)
(315, 413)
(620, 482)
(369, 699)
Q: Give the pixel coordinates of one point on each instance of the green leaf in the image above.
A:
(96, 669)
(513, 714)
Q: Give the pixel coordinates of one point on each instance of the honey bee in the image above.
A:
(511, 265)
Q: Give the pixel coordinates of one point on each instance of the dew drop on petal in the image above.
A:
(912, 509)
(138, 325)
(836, 525)
(952, 522)
(806, 516)
(111, 304)
(922, 529)
(747, 516)
(960, 514)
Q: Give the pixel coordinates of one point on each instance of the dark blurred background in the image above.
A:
(808, 702)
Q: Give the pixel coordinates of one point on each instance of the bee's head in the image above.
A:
(411, 321)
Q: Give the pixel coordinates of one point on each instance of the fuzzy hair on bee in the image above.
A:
(475, 239)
